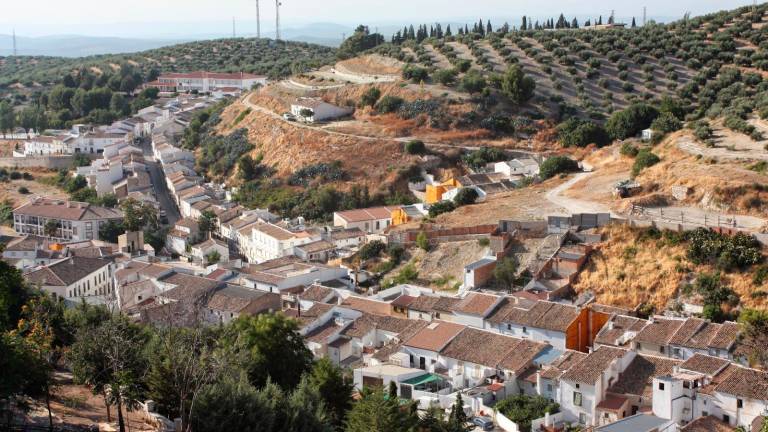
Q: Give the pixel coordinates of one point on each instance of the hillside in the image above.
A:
(260, 56)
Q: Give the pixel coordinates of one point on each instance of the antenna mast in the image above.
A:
(258, 21)
(644, 15)
(277, 19)
(234, 33)
(15, 52)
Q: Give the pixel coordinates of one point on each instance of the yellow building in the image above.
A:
(434, 193)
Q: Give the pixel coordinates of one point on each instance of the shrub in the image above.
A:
(463, 65)
(370, 97)
(523, 409)
(556, 165)
(422, 241)
(23, 190)
(483, 156)
(441, 207)
(371, 250)
(415, 73)
(580, 133)
(727, 252)
(666, 122)
(389, 104)
(644, 159)
(473, 82)
(445, 76)
(465, 196)
(629, 122)
(326, 172)
(415, 147)
(15, 175)
(628, 149)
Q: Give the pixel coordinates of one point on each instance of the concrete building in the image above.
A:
(205, 82)
(318, 110)
(67, 220)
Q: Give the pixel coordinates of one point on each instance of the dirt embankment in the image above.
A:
(287, 147)
(629, 269)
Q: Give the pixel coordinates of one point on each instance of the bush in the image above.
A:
(371, 250)
(15, 175)
(628, 149)
(666, 122)
(389, 104)
(473, 82)
(23, 190)
(465, 196)
(445, 76)
(415, 147)
(483, 156)
(644, 159)
(629, 122)
(415, 73)
(556, 165)
(580, 133)
(463, 65)
(326, 172)
(727, 252)
(441, 207)
(523, 409)
(370, 97)
(422, 241)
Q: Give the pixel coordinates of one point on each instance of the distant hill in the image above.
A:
(260, 56)
(78, 46)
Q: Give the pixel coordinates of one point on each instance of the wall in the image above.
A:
(50, 162)
(506, 424)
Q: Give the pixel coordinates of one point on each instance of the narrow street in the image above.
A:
(162, 193)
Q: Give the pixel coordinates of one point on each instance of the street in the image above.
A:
(162, 193)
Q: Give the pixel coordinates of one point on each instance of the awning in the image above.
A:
(423, 379)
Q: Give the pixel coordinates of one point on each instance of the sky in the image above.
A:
(184, 18)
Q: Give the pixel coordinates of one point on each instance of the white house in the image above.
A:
(372, 220)
(201, 251)
(206, 81)
(320, 110)
(75, 221)
(269, 241)
(74, 278)
(101, 175)
(515, 167)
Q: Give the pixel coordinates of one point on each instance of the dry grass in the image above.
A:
(10, 190)
(628, 270)
(372, 65)
(443, 265)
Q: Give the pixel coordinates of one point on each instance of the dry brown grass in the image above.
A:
(10, 190)
(372, 65)
(287, 147)
(628, 270)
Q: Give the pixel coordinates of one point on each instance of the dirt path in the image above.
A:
(689, 145)
(575, 205)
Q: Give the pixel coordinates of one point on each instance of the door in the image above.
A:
(422, 363)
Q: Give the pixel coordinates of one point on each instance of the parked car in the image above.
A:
(484, 423)
(289, 117)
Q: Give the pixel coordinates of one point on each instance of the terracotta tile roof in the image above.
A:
(366, 323)
(276, 232)
(726, 336)
(543, 314)
(435, 336)
(403, 301)
(521, 355)
(479, 347)
(347, 233)
(321, 333)
(318, 246)
(607, 309)
(660, 331)
(619, 329)
(475, 304)
(637, 378)
(66, 210)
(708, 424)
(233, 298)
(154, 271)
(566, 361)
(612, 403)
(433, 304)
(366, 305)
(188, 287)
(66, 272)
(202, 74)
(705, 364)
(589, 369)
(316, 293)
(366, 214)
(700, 334)
(745, 383)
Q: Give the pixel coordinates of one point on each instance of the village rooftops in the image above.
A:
(659, 331)
(701, 334)
(619, 330)
(347, 233)
(317, 293)
(635, 423)
(492, 349)
(278, 232)
(705, 364)
(366, 305)
(366, 214)
(709, 424)
(318, 246)
(27, 243)
(561, 364)
(476, 304)
(188, 287)
(403, 301)
(429, 304)
(278, 274)
(435, 336)
(543, 314)
(66, 272)
(745, 383)
(368, 322)
(308, 102)
(590, 368)
(66, 210)
(236, 299)
(637, 378)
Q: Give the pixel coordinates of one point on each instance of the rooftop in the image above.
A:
(476, 303)
(705, 364)
(66, 272)
(373, 213)
(66, 210)
(589, 369)
(637, 378)
(435, 336)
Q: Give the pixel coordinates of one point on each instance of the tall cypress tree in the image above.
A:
(448, 30)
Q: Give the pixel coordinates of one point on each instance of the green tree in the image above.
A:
(267, 337)
(523, 409)
(22, 376)
(335, 389)
(137, 215)
(644, 159)
(109, 358)
(754, 328)
(473, 82)
(305, 410)
(516, 85)
(219, 400)
(666, 122)
(465, 196)
(213, 257)
(457, 419)
(13, 295)
(207, 223)
(370, 97)
(441, 207)
(422, 241)
(505, 272)
(557, 165)
(51, 228)
(7, 118)
(629, 122)
(374, 412)
(415, 147)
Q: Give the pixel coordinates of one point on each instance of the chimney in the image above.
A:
(610, 325)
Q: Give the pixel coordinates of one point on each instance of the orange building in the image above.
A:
(435, 193)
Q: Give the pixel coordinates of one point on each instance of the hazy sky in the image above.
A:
(183, 17)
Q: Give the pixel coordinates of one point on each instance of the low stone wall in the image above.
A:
(50, 162)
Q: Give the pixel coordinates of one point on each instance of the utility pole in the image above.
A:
(258, 21)
(277, 19)
(15, 52)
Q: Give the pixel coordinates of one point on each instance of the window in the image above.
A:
(661, 350)
(661, 386)
(509, 326)
(525, 330)
(726, 418)
(549, 387)
(577, 399)
(582, 418)
(739, 403)
(704, 413)
(577, 385)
